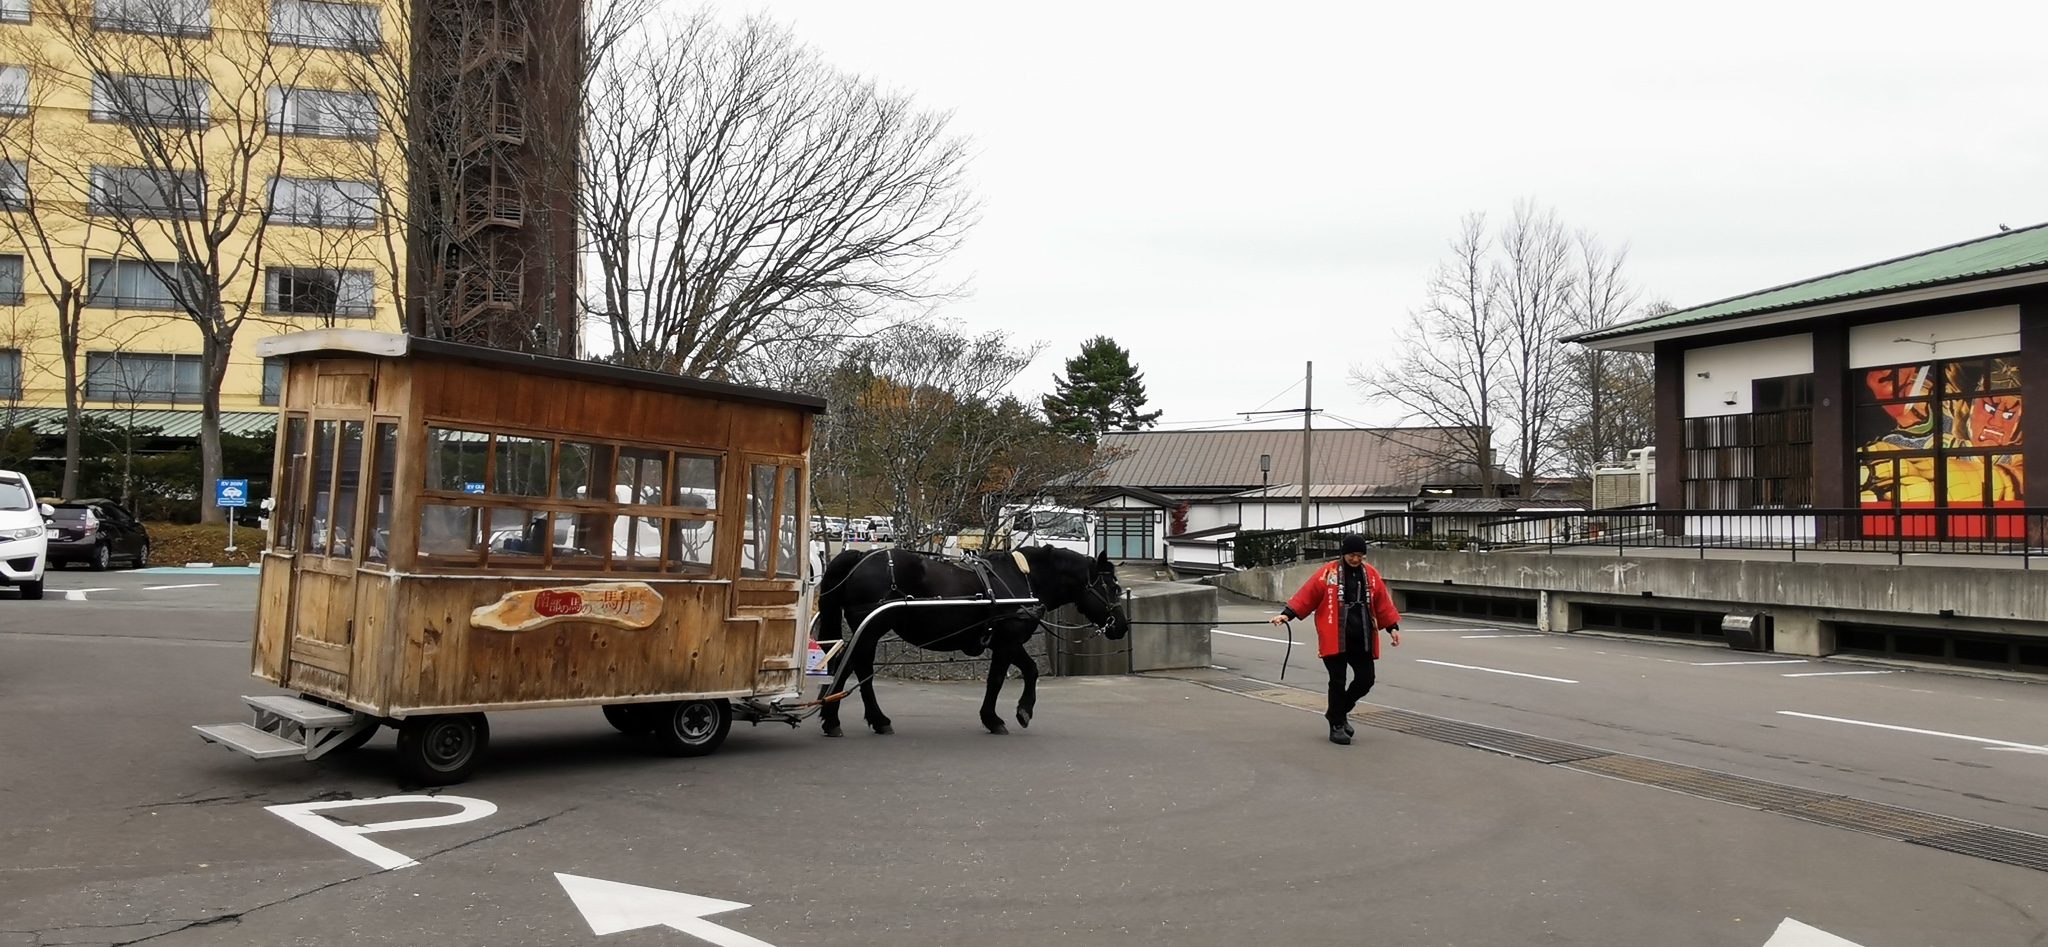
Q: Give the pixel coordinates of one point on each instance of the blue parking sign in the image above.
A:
(227, 493)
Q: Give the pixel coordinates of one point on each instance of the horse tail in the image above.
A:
(831, 592)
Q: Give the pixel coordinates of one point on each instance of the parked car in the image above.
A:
(97, 533)
(24, 536)
(882, 529)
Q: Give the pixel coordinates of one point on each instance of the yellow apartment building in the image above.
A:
(151, 149)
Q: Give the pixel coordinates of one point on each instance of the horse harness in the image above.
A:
(985, 570)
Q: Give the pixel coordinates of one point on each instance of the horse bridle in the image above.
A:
(1109, 605)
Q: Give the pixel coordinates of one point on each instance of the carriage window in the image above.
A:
(518, 537)
(384, 462)
(789, 555)
(696, 482)
(292, 498)
(348, 486)
(521, 467)
(457, 460)
(689, 546)
(448, 534)
(581, 539)
(580, 473)
(640, 476)
(323, 487)
(754, 549)
(636, 543)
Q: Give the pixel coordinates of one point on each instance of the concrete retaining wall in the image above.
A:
(1805, 599)
(1154, 645)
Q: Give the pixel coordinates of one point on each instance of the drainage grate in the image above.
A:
(1996, 844)
(1888, 821)
(1474, 735)
(1740, 790)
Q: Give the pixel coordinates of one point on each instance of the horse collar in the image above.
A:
(1023, 564)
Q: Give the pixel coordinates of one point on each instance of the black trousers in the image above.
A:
(1357, 657)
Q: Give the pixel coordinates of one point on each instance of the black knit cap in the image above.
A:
(1353, 543)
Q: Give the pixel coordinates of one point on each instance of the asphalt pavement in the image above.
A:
(1148, 810)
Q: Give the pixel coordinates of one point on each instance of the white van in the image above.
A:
(24, 535)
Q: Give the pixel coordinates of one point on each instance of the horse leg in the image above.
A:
(1029, 701)
(998, 670)
(864, 668)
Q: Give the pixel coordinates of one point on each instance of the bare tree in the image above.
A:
(1611, 409)
(1536, 284)
(739, 195)
(1450, 361)
(179, 166)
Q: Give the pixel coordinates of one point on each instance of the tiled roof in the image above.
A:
(1228, 461)
(2000, 253)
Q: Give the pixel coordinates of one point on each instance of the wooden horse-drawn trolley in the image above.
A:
(459, 530)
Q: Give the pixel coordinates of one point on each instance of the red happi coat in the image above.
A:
(1320, 595)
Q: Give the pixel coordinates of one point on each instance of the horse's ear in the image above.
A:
(1102, 560)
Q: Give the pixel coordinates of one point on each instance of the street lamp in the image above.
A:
(1265, 471)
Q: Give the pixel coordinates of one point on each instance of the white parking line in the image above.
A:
(1833, 673)
(2031, 747)
(1723, 664)
(78, 595)
(1233, 634)
(1469, 667)
(189, 585)
(1500, 636)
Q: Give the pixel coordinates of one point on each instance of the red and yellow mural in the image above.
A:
(1939, 436)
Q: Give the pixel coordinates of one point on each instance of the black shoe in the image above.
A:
(1339, 737)
(1348, 730)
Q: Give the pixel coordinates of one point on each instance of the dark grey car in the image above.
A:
(98, 533)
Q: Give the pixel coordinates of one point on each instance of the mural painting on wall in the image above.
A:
(1941, 435)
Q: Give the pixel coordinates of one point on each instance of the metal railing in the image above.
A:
(1815, 534)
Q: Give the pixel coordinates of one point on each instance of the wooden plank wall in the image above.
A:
(273, 619)
(444, 662)
(499, 397)
(370, 667)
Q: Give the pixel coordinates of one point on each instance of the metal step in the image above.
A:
(305, 713)
(249, 741)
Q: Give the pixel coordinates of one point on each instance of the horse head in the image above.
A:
(1101, 597)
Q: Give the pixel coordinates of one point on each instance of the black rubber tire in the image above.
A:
(441, 749)
(633, 719)
(102, 557)
(692, 727)
(32, 590)
(142, 557)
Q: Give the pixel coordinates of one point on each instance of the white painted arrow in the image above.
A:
(1791, 933)
(612, 906)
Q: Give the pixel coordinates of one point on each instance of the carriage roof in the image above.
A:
(316, 342)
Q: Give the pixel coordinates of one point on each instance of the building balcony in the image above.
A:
(481, 292)
(496, 42)
(494, 205)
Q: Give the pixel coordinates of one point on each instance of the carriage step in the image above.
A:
(305, 713)
(249, 741)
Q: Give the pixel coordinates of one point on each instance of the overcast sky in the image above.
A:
(1232, 189)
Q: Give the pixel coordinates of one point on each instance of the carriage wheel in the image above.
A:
(693, 727)
(441, 749)
(632, 719)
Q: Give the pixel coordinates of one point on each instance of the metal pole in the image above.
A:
(1308, 401)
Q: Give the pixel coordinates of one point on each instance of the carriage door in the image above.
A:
(774, 547)
(331, 540)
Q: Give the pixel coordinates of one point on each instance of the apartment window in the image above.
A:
(149, 100)
(146, 192)
(322, 113)
(319, 292)
(14, 91)
(273, 380)
(320, 203)
(354, 26)
(13, 11)
(161, 17)
(130, 284)
(10, 374)
(10, 279)
(134, 378)
(13, 185)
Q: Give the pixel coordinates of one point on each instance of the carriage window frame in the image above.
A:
(664, 518)
(295, 434)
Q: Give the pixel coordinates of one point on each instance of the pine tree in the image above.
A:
(1101, 391)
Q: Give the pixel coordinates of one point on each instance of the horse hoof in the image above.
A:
(885, 729)
(1024, 718)
(998, 729)
(834, 732)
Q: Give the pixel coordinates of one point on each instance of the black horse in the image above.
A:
(859, 583)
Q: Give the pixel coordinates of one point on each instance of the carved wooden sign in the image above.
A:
(625, 604)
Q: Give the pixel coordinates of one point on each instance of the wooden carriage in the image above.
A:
(458, 530)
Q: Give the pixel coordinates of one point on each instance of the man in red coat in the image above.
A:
(1351, 604)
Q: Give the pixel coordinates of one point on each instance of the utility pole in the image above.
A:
(1308, 413)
